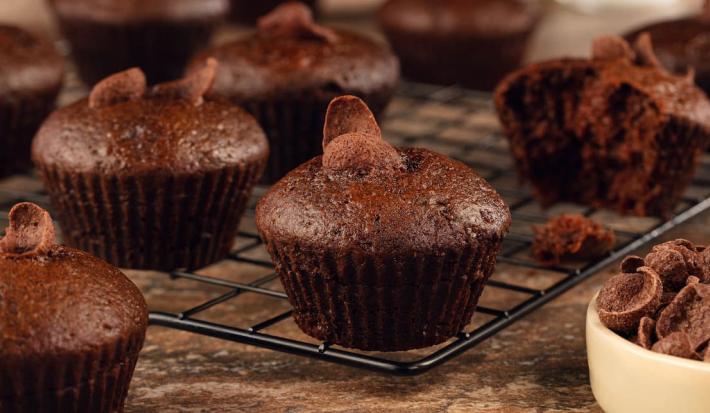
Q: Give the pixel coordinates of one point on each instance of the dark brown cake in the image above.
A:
(286, 73)
(571, 237)
(662, 301)
(473, 43)
(30, 78)
(683, 44)
(71, 325)
(614, 131)
(248, 11)
(380, 248)
(153, 179)
(159, 36)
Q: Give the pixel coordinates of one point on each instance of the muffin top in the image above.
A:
(123, 128)
(364, 194)
(290, 54)
(460, 17)
(616, 64)
(621, 63)
(27, 63)
(121, 11)
(60, 305)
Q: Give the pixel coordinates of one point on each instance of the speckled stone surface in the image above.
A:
(537, 365)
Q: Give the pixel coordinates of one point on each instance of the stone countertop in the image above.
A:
(538, 364)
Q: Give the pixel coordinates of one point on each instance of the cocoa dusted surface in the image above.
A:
(149, 135)
(259, 68)
(447, 204)
(60, 307)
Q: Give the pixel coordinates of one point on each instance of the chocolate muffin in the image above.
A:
(472, 43)
(159, 36)
(30, 77)
(151, 178)
(286, 73)
(683, 44)
(381, 248)
(248, 11)
(71, 325)
(615, 131)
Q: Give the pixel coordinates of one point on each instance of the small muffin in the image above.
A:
(248, 11)
(472, 43)
(30, 78)
(151, 178)
(286, 73)
(71, 325)
(381, 248)
(159, 36)
(615, 131)
(683, 44)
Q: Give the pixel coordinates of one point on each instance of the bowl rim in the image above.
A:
(595, 323)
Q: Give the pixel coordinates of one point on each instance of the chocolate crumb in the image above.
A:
(294, 19)
(612, 48)
(645, 55)
(571, 237)
(627, 298)
(120, 87)
(352, 140)
(31, 231)
(192, 87)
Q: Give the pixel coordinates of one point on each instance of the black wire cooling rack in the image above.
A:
(460, 124)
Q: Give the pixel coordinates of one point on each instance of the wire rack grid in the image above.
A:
(460, 124)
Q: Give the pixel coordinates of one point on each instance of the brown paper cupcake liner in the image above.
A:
(152, 222)
(19, 120)
(95, 382)
(383, 304)
(294, 128)
(160, 48)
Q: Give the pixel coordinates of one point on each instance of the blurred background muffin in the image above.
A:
(289, 69)
(471, 43)
(247, 11)
(30, 77)
(683, 43)
(159, 36)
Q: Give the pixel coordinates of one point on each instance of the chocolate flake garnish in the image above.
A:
(689, 313)
(31, 231)
(646, 332)
(645, 55)
(631, 264)
(294, 19)
(675, 261)
(677, 344)
(626, 298)
(120, 87)
(192, 87)
(352, 140)
(612, 48)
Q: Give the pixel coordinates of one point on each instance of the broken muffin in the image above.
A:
(571, 237)
(615, 131)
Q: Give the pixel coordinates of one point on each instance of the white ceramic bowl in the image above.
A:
(628, 378)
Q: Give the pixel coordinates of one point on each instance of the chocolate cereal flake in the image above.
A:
(627, 298)
(677, 344)
(689, 313)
